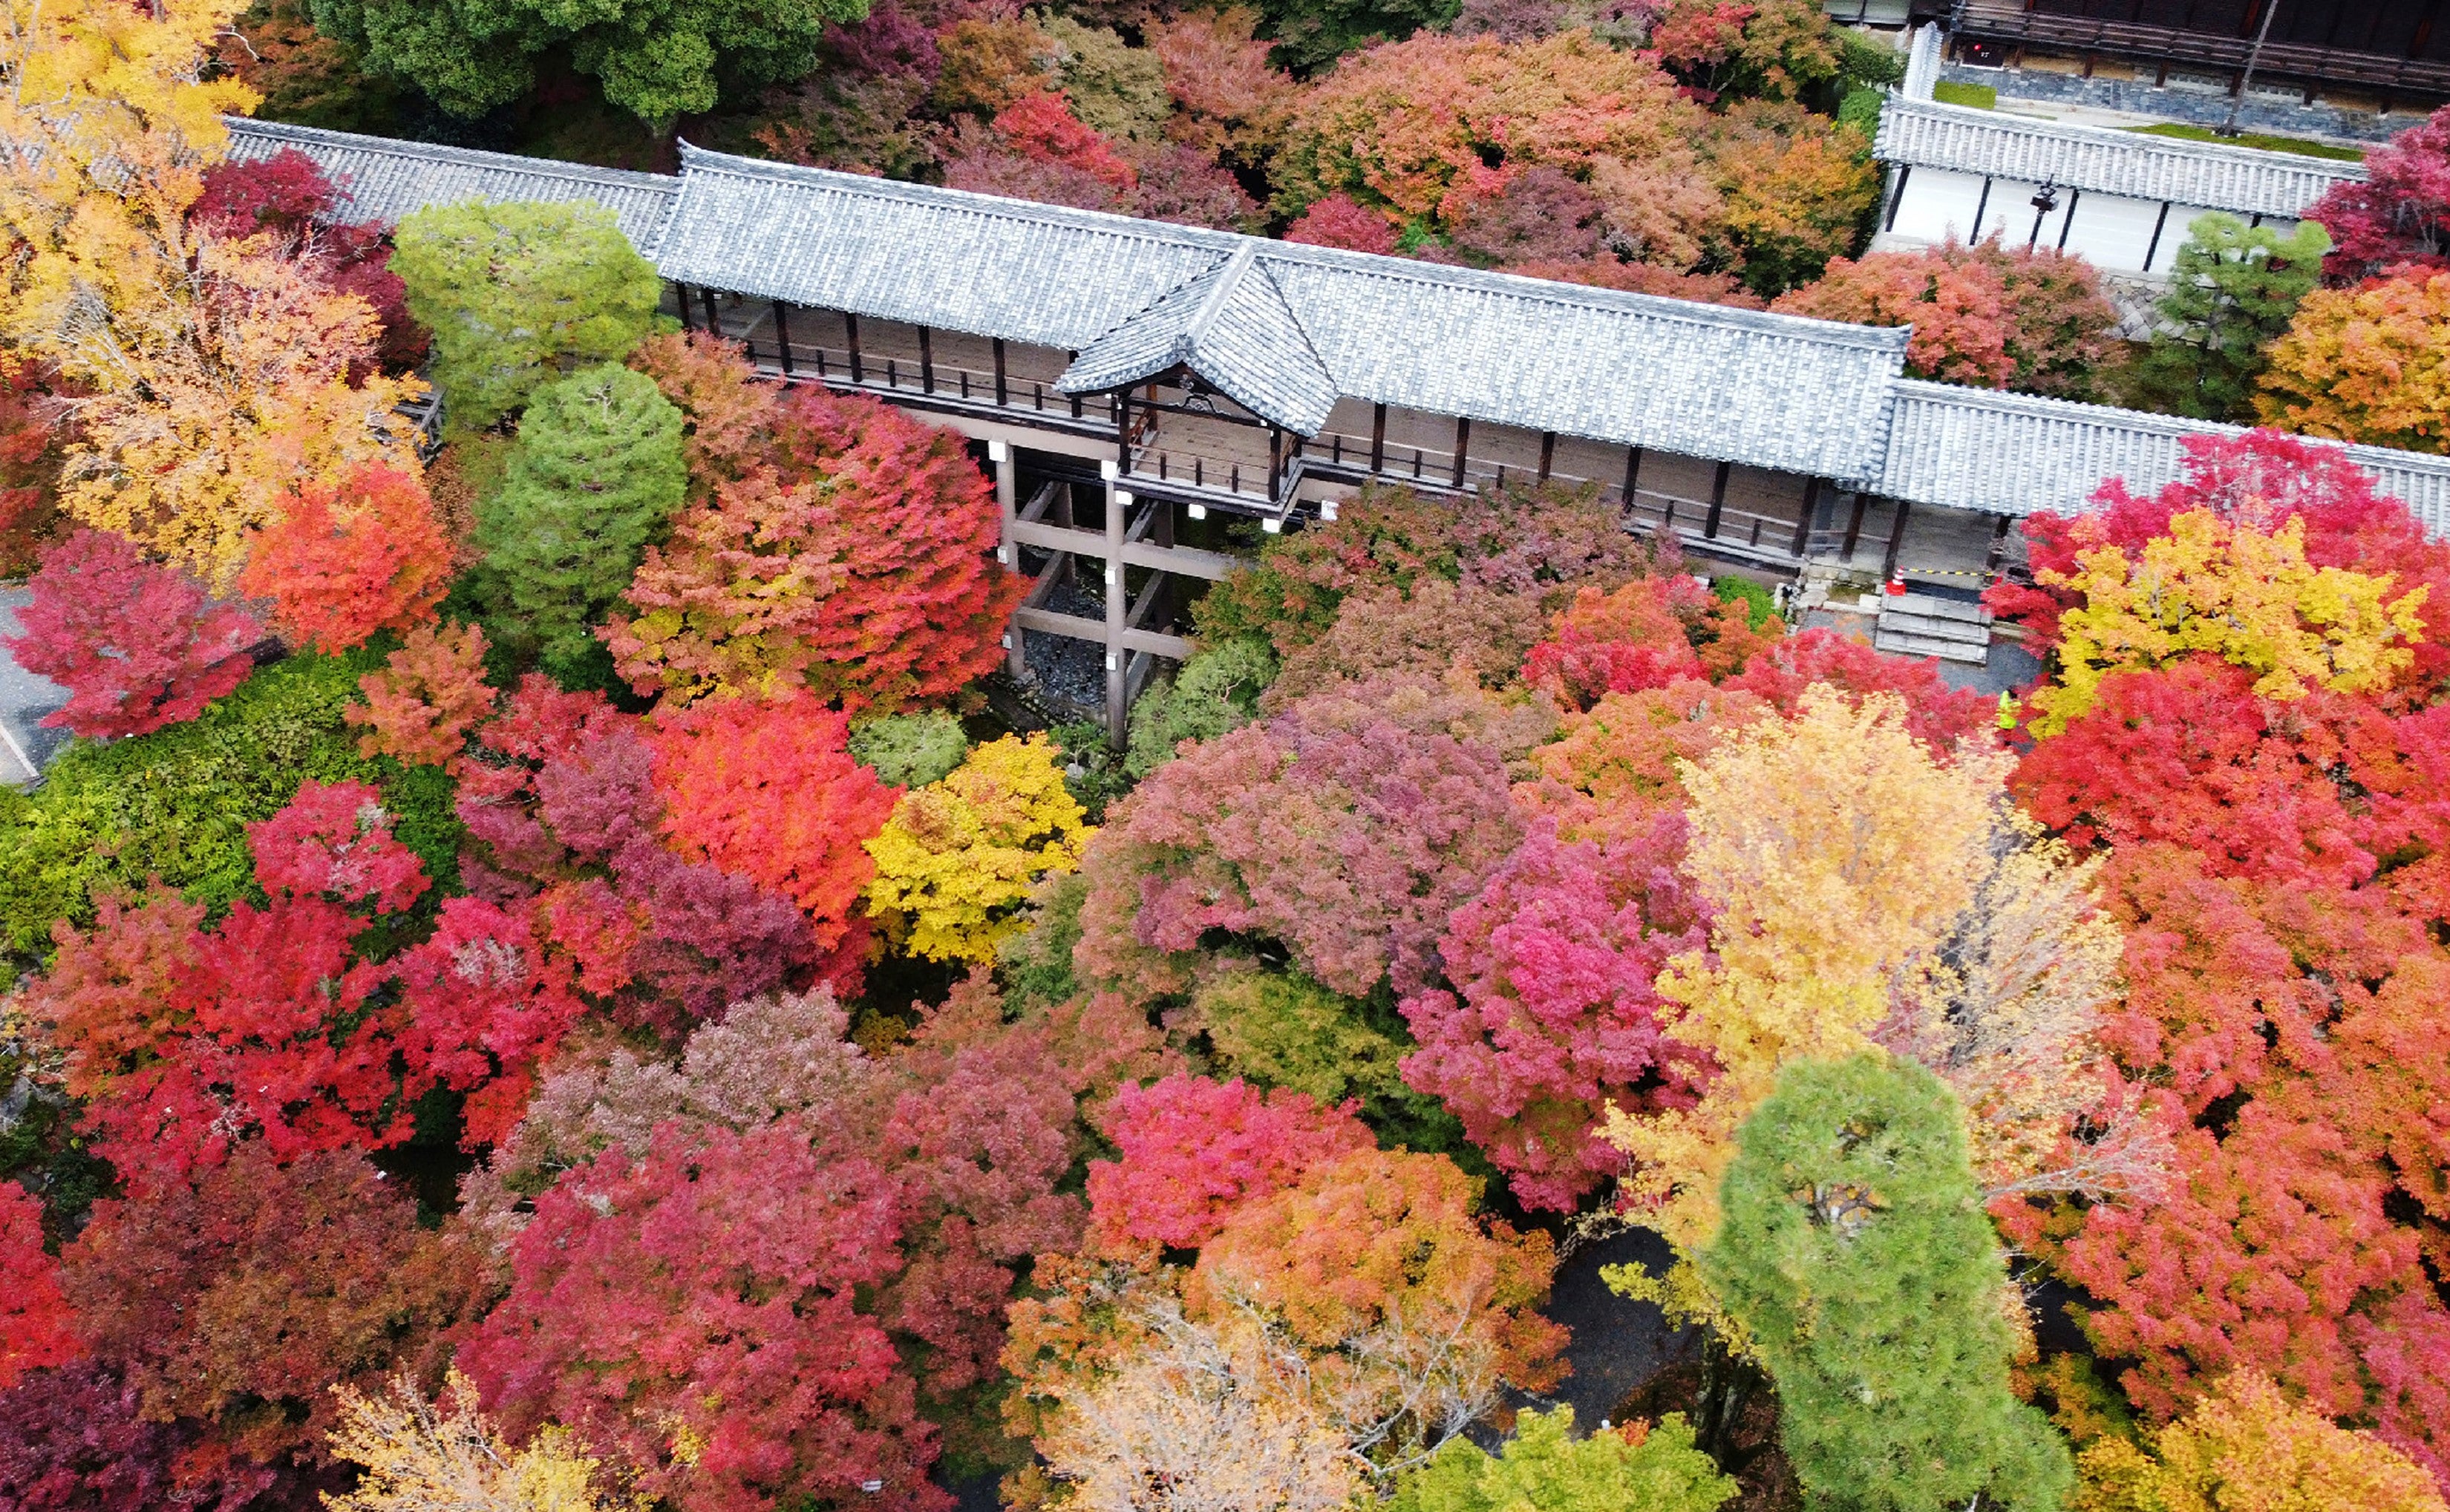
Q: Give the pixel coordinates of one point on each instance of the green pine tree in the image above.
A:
(593, 478)
(517, 294)
(1855, 1255)
(2232, 289)
(1543, 1468)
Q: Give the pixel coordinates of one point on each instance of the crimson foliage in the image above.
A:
(1192, 1152)
(137, 645)
(186, 1042)
(1553, 1016)
(1347, 829)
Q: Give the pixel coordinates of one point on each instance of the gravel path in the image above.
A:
(1618, 1344)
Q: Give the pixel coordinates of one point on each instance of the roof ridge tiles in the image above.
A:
(1206, 315)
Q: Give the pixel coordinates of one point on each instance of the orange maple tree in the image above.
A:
(346, 560)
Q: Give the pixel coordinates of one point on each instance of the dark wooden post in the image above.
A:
(1276, 460)
(706, 301)
(1123, 428)
(926, 363)
(999, 361)
(1462, 445)
(1632, 472)
(1118, 604)
(1547, 453)
(1070, 357)
(1896, 541)
(1855, 525)
(782, 338)
(1803, 526)
(1717, 502)
(680, 293)
(1377, 438)
(850, 324)
(1998, 543)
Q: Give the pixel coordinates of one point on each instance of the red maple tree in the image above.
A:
(840, 546)
(37, 1328)
(694, 1308)
(1191, 1151)
(1553, 1018)
(137, 645)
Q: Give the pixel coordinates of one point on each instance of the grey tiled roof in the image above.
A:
(2014, 454)
(1775, 391)
(381, 179)
(2244, 181)
(957, 262)
(1230, 326)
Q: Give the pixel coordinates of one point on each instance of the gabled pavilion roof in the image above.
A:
(1292, 327)
(2209, 175)
(1230, 326)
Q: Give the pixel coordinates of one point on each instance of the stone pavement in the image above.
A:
(26, 747)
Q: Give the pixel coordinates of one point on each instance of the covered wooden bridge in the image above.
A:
(1134, 385)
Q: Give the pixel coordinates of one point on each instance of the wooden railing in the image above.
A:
(2005, 21)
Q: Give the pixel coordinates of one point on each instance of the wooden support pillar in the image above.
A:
(781, 338)
(1118, 615)
(850, 325)
(1377, 438)
(680, 296)
(1001, 398)
(1803, 526)
(1999, 530)
(1123, 428)
(1855, 525)
(1897, 543)
(1070, 357)
(1717, 502)
(1276, 460)
(1008, 552)
(1462, 445)
(705, 302)
(1547, 453)
(926, 363)
(1632, 472)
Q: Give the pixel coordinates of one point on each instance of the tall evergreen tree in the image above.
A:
(1855, 1255)
(2233, 290)
(595, 475)
(516, 293)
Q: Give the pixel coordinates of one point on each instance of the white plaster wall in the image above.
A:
(1935, 204)
(2114, 234)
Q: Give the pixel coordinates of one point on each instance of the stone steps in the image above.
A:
(1927, 625)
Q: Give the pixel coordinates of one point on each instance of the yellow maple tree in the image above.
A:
(1869, 894)
(420, 1456)
(959, 856)
(2247, 1449)
(211, 376)
(2246, 596)
(2369, 364)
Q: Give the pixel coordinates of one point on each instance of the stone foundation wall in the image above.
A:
(2140, 97)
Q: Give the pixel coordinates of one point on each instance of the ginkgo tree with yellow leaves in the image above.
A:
(959, 856)
(420, 1456)
(213, 375)
(1867, 893)
(2244, 595)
